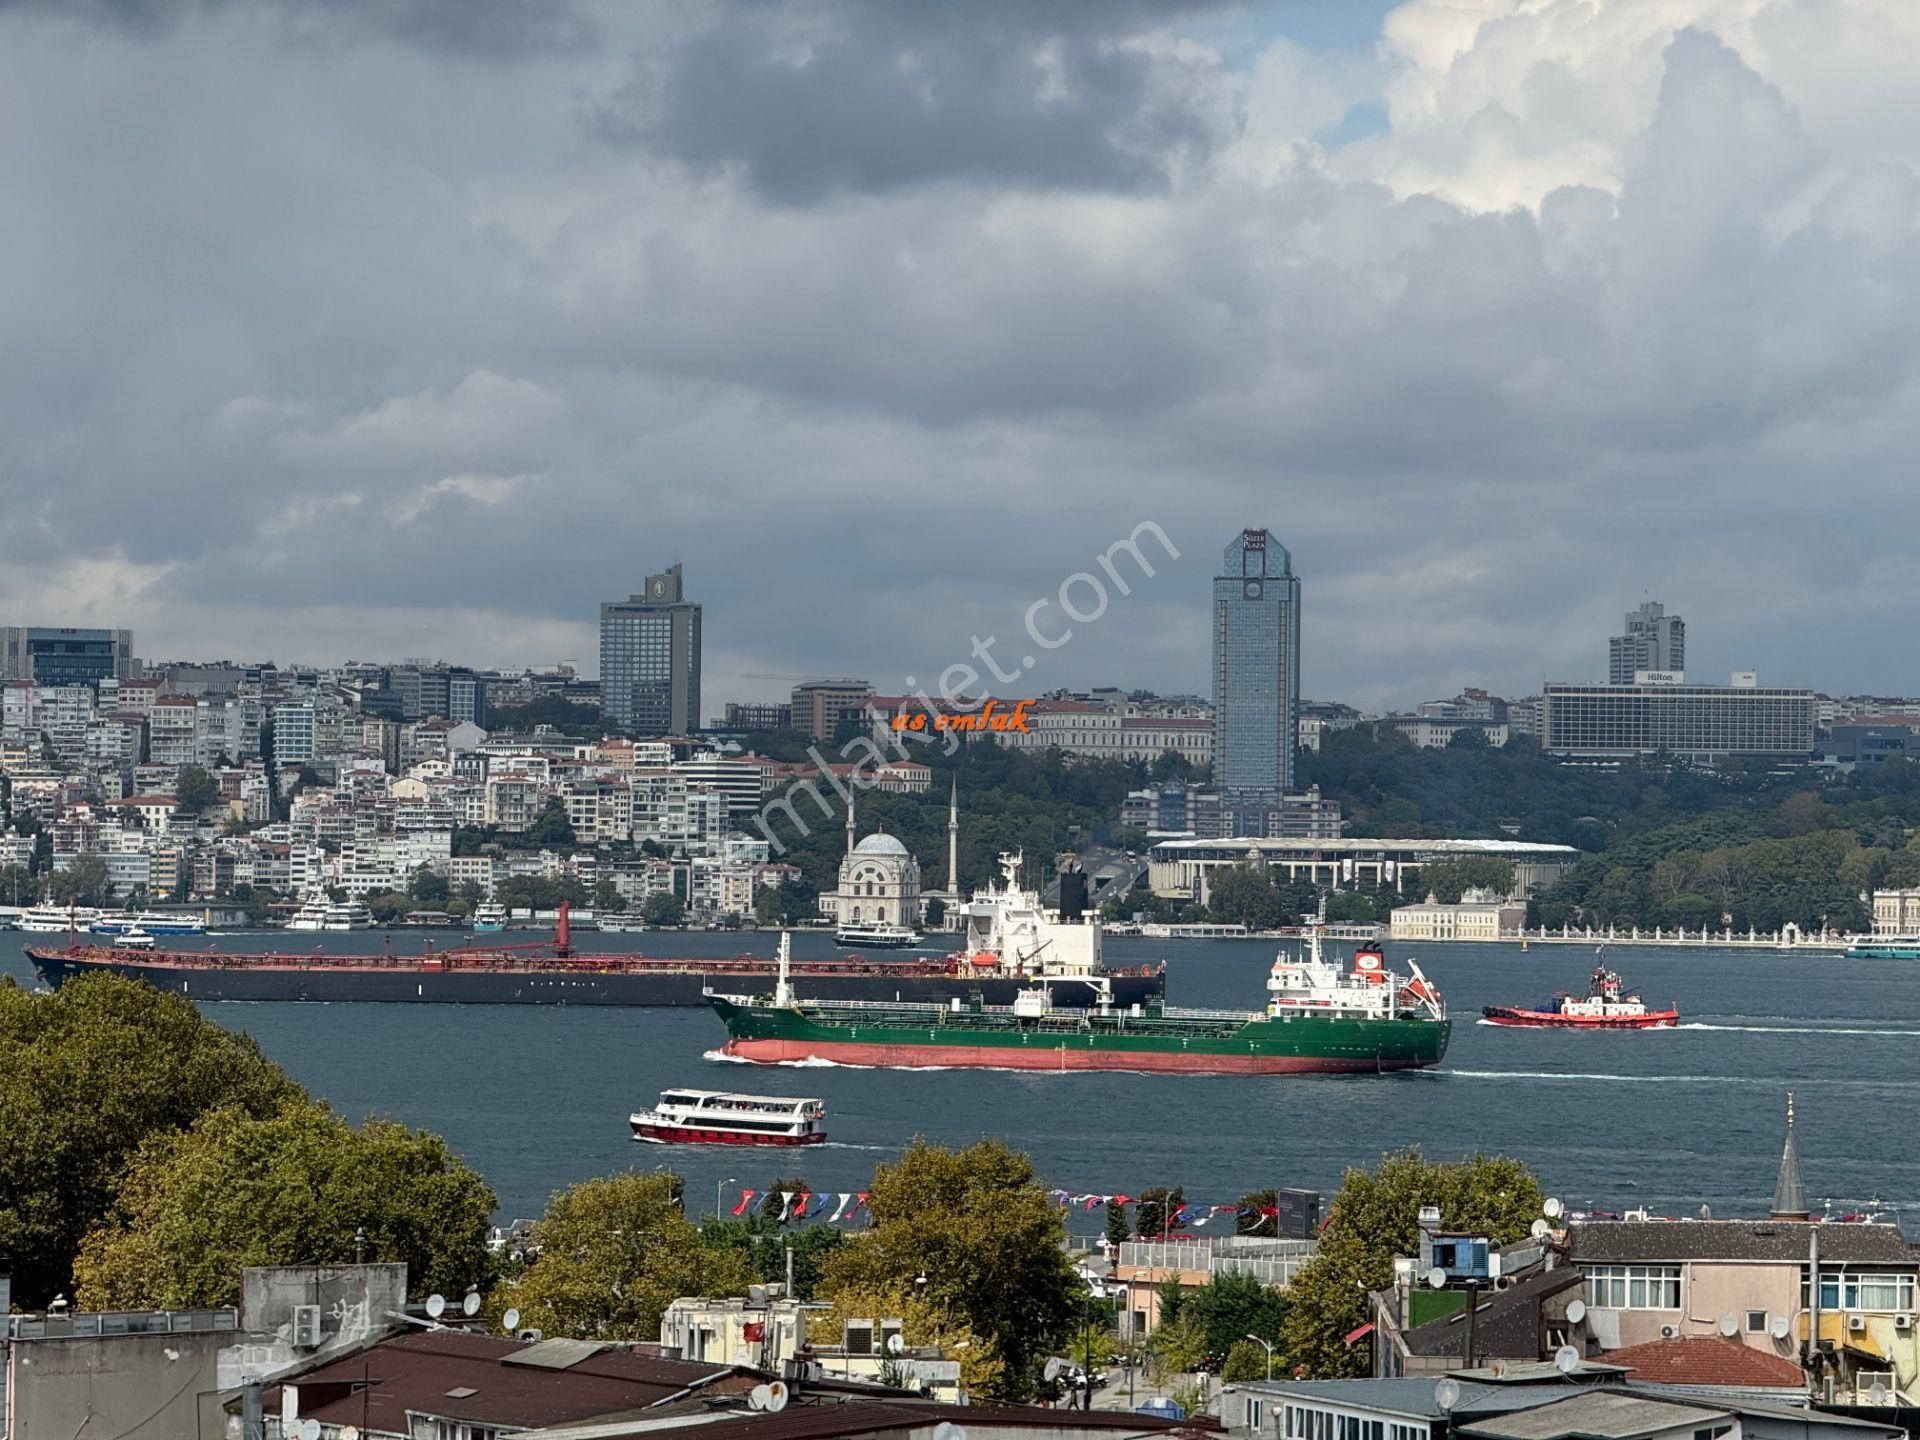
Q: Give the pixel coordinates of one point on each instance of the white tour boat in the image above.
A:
(714, 1117)
(877, 936)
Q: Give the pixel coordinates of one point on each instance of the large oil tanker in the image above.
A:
(1008, 944)
(1319, 1018)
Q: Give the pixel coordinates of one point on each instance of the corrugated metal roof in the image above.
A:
(1607, 1414)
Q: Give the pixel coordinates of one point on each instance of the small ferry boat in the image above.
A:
(164, 922)
(715, 1117)
(312, 915)
(877, 936)
(135, 939)
(489, 919)
(351, 915)
(1606, 1006)
(52, 919)
(1885, 947)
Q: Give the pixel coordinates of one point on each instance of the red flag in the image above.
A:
(746, 1199)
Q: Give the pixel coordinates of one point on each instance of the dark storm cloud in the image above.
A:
(490, 29)
(874, 95)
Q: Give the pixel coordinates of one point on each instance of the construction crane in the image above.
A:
(812, 679)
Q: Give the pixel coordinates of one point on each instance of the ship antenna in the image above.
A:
(783, 989)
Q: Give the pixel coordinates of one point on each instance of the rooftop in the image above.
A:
(1782, 1241)
(1706, 1360)
(1506, 1324)
(1608, 1414)
(1370, 843)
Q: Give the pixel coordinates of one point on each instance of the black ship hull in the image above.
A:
(675, 986)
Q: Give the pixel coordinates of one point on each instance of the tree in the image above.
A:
(1231, 1306)
(1119, 1228)
(1374, 1218)
(428, 887)
(83, 882)
(1350, 907)
(936, 913)
(607, 899)
(987, 1237)
(18, 885)
(765, 1243)
(785, 904)
(1251, 1217)
(195, 790)
(1447, 880)
(1153, 1214)
(294, 1187)
(1244, 895)
(614, 1252)
(1178, 1346)
(664, 909)
(131, 1063)
(1245, 1361)
(551, 827)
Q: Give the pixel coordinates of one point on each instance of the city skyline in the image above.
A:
(411, 359)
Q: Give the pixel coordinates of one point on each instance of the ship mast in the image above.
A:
(783, 988)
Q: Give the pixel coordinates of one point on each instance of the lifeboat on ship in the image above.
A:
(1605, 1006)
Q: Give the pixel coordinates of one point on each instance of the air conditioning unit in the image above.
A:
(306, 1327)
(1856, 1322)
(1903, 1321)
(1669, 1332)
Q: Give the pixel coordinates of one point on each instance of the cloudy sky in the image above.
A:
(418, 328)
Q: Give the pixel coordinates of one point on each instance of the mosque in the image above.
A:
(880, 879)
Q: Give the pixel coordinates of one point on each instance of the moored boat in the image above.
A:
(877, 937)
(1319, 1019)
(348, 915)
(717, 1117)
(312, 915)
(1885, 947)
(1605, 1006)
(52, 919)
(489, 919)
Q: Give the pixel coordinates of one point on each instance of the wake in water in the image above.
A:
(1908, 1034)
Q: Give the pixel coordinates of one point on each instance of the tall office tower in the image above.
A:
(51, 655)
(650, 660)
(1654, 640)
(1256, 676)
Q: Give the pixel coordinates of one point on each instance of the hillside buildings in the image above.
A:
(61, 655)
(650, 659)
(1256, 672)
(1702, 723)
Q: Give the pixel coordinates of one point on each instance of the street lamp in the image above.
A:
(716, 1195)
(1269, 1348)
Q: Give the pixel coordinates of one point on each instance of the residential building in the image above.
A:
(1109, 731)
(1434, 732)
(650, 659)
(173, 731)
(821, 707)
(1196, 811)
(1256, 670)
(1704, 723)
(293, 733)
(65, 656)
(1653, 640)
(737, 778)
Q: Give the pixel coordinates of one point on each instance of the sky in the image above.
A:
(375, 330)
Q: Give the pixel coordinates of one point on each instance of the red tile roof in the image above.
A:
(1704, 1360)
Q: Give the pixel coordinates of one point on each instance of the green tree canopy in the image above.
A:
(987, 1237)
(607, 899)
(664, 909)
(195, 789)
(1245, 895)
(1119, 1227)
(428, 887)
(1376, 1217)
(1451, 878)
(1245, 1361)
(551, 827)
(1230, 1307)
(83, 882)
(614, 1252)
(292, 1188)
(787, 903)
(89, 1074)
(765, 1243)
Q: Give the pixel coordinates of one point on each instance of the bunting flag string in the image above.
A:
(843, 1206)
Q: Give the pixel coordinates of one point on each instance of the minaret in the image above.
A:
(953, 843)
(1789, 1191)
(849, 827)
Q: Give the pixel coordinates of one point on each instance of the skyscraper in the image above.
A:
(1654, 640)
(650, 659)
(1256, 673)
(53, 655)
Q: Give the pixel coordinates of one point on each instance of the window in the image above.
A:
(1756, 1322)
(1883, 1293)
(1634, 1287)
(1256, 1412)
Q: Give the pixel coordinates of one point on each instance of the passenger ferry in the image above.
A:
(52, 919)
(352, 915)
(490, 919)
(1886, 947)
(715, 1117)
(312, 915)
(877, 936)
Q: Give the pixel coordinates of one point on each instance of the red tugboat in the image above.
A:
(1604, 1007)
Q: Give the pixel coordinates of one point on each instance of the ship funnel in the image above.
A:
(563, 933)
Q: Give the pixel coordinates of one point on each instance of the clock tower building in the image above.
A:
(650, 659)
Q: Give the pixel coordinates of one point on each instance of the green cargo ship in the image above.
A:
(1319, 1019)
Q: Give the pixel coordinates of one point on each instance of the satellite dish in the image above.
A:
(1566, 1359)
(895, 1344)
(1777, 1327)
(470, 1305)
(309, 1429)
(349, 1432)
(1055, 1367)
(1436, 1278)
(758, 1397)
(510, 1321)
(1729, 1325)
(1447, 1393)
(947, 1430)
(1576, 1311)
(1539, 1229)
(1553, 1209)
(436, 1306)
(776, 1396)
